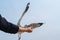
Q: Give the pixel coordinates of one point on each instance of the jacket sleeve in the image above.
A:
(7, 26)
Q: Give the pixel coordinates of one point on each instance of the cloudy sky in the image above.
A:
(46, 11)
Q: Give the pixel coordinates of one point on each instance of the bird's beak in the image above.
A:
(41, 24)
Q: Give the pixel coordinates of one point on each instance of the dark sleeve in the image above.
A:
(7, 26)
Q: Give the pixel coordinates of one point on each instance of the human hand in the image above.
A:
(29, 29)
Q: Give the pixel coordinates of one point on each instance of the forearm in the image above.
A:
(22, 29)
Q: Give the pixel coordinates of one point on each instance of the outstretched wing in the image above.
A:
(26, 9)
(19, 21)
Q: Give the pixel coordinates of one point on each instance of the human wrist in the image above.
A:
(22, 29)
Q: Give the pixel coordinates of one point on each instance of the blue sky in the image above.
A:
(46, 11)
